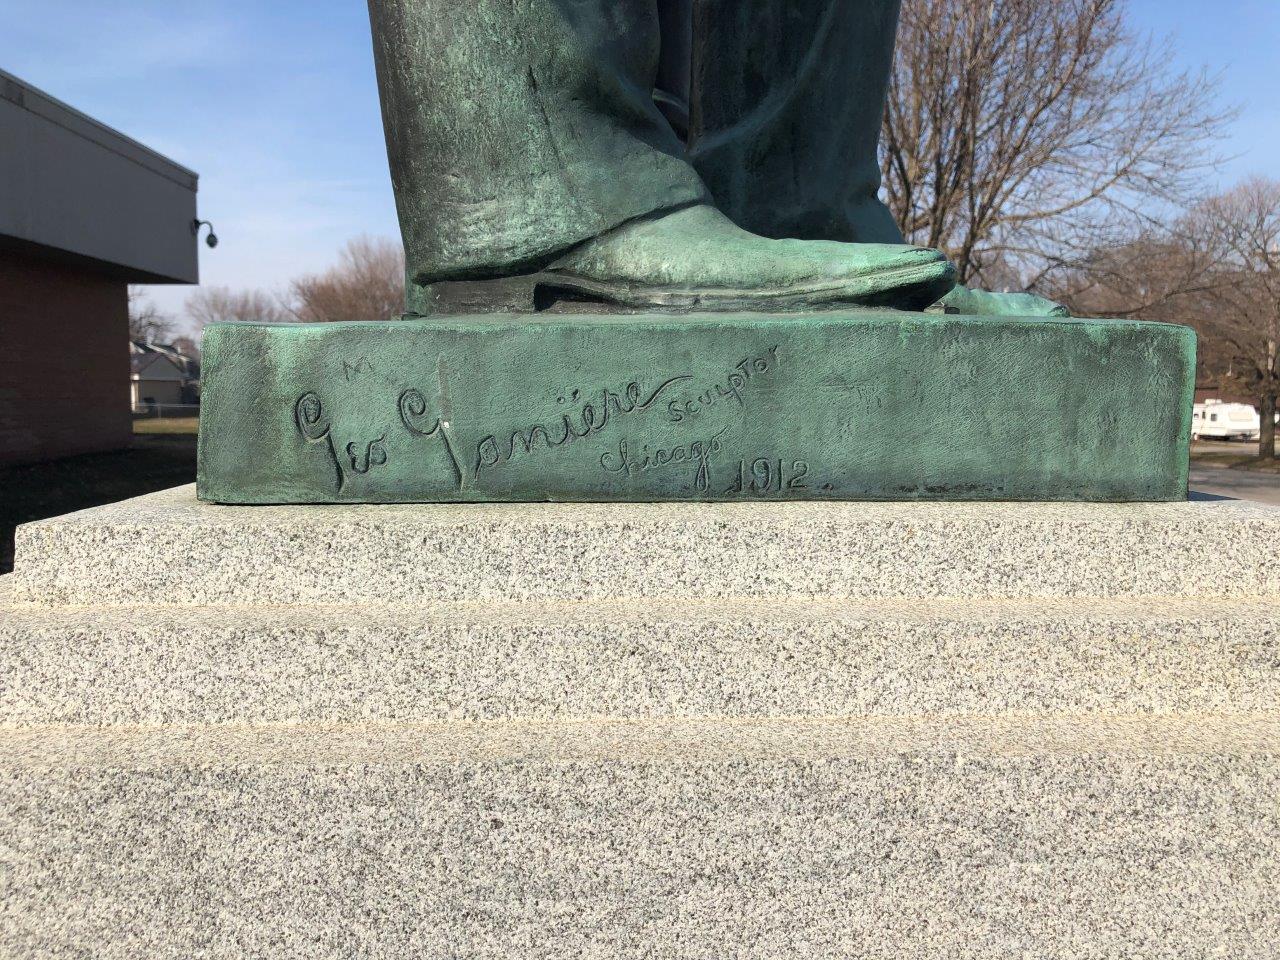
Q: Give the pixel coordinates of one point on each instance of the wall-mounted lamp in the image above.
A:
(212, 239)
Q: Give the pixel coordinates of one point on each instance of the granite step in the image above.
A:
(559, 659)
(819, 730)
(170, 549)
(923, 837)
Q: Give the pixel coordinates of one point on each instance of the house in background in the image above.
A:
(84, 212)
(161, 377)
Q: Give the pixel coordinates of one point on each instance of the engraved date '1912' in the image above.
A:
(769, 475)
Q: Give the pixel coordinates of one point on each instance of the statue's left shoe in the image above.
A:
(696, 258)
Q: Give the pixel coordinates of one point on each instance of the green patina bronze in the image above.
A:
(645, 154)
(838, 405)
(702, 175)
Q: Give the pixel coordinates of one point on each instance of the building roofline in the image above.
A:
(36, 101)
(116, 271)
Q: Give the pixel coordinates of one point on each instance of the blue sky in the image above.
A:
(273, 102)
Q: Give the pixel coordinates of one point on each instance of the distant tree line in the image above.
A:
(367, 283)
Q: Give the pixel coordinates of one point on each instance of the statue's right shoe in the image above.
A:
(695, 258)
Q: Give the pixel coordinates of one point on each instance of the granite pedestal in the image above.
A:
(749, 730)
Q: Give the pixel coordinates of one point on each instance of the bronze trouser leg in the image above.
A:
(519, 128)
(786, 102)
(675, 18)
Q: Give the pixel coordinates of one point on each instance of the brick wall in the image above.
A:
(64, 360)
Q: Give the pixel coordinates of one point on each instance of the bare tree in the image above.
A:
(1172, 276)
(1168, 274)
(188, 346)
(1244, 224)
(146, 322)
(367, 284)
(1020, 133)
(219, 304)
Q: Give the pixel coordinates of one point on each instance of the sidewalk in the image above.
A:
(1214, 482)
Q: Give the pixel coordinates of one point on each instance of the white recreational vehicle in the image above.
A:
(1215, 420)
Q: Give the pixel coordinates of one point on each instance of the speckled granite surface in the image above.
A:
(542, 660)
(168, 548)
(601, 732)
(1091, 840)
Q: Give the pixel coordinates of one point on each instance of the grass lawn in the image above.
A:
(158, 460)
(166, 425)
(1234, 461)
(1238, 461)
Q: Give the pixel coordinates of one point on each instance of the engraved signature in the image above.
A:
(314, 425)
(587, 420)
(413, 414)
(698, 452)
(373, 455)
(731, 388)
